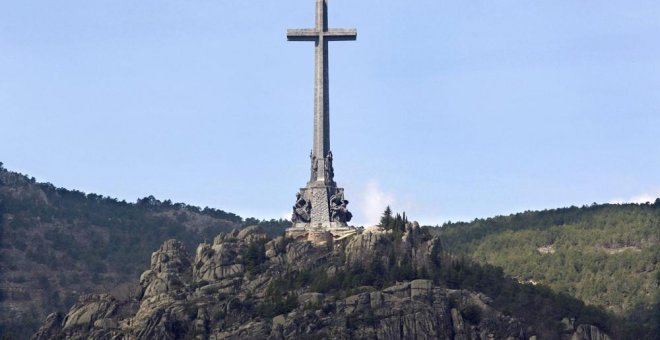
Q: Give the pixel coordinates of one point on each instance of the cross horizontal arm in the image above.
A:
(303, 34)
(341, 34)
(310, 34)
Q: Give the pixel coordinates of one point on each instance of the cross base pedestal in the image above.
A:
(326, 235)
(321, 205)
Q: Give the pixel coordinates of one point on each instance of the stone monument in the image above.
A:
(321, 205)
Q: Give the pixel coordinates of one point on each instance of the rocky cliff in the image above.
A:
(244, 285)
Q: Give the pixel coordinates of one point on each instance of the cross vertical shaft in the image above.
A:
(321, 35)
(321, 86)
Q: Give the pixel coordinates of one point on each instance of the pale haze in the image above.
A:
(449, 110)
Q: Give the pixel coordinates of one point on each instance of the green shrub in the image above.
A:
(472, 313)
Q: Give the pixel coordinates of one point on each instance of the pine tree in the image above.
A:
(398, 223)
(386, 219)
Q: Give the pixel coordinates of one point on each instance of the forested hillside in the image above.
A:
(56, 244)
(606, 255)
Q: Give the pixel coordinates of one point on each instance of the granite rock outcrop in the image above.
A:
(245, 286)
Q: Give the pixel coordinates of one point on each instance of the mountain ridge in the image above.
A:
(71, 243)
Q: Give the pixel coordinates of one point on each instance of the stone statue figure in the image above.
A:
(301, 210)
(314, 166)
(338, 210)
(329, 169)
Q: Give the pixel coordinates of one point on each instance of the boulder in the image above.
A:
(51, 328)
(275, 247)
(217, 262)
(368, 247)
(89, 308)
(171, 257)
(169, 272)
(252, 234)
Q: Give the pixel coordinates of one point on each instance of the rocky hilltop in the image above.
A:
(371, 285)
(57, 244)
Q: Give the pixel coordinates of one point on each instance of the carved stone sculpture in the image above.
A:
(329, 170)
(301, 210)
(338, 207)
(313, 166)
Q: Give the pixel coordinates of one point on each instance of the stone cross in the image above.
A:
(321, 35)
(321, 204)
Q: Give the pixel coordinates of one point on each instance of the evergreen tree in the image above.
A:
(386, 219)
(398, 223)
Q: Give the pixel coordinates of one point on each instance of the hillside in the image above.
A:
(56, 244)
(606, 255)
(373, 285)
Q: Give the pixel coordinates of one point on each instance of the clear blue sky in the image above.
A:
(448, 110)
